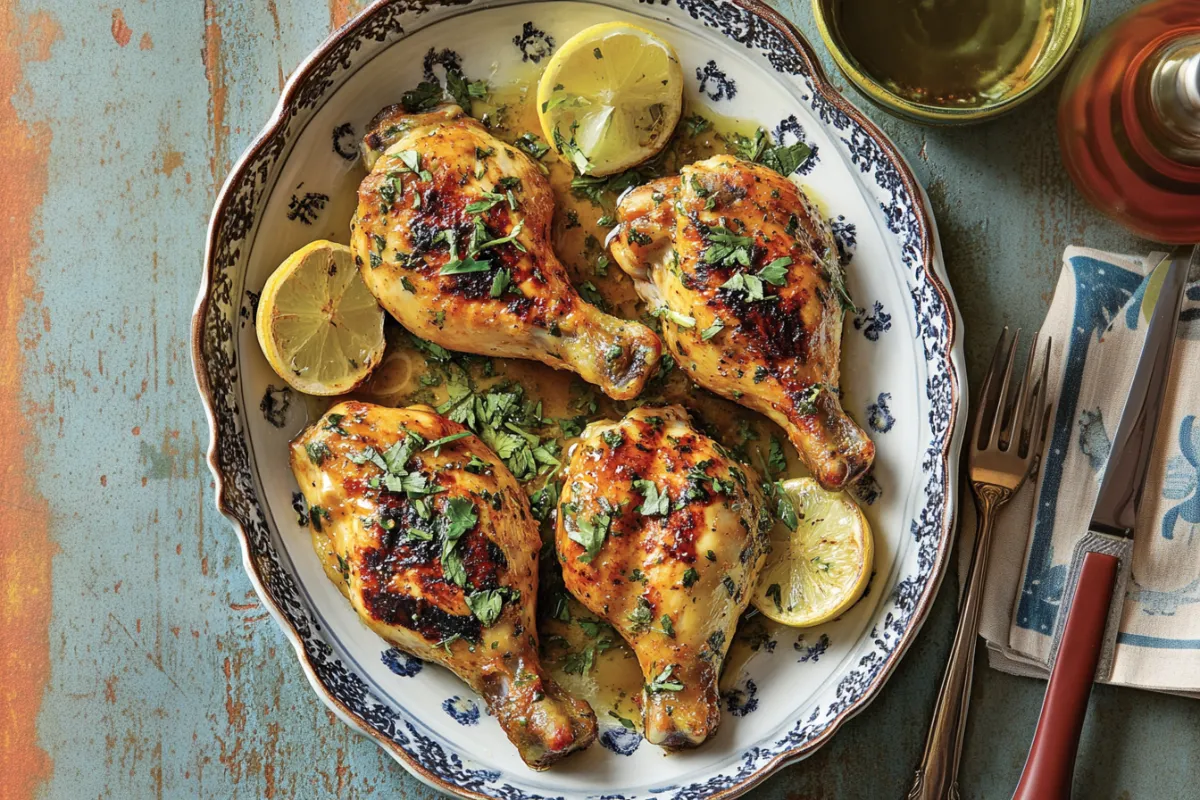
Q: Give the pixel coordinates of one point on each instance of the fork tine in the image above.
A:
(1002, 398)
(985, 393)
(1013, 432)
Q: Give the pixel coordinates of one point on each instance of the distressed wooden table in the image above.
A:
(136, 660)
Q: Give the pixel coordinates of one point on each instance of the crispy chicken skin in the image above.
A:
(387, 552)
(777, 354)
(673, 581)
(441, 191)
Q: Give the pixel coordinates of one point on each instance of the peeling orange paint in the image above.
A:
(121, 32)
(44, 31)
(218, 94)
(146, 42)
(340, 11)
(25, 600)
(171, 161)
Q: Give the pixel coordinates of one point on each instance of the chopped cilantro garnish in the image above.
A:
(664, 682)
(454, 437)
(641, 616)
(532, 145)
(727, 248)
(654, 503)
(712, 330)
(776, 460)
(590, 534)
(627, 724)
(425, 96)
(690, 576)
(317, 452)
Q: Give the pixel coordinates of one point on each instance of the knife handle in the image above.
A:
(1050, 767)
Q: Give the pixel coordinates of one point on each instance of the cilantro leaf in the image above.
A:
(776, 272)
(425, 96)
(785, 158)
(317, 452)
(590, 534)
(454, 437)
(532, 145)
(641, 616)
(712, 330)
(665, 682)
(486, 605)
(654, 503)
(776, 459)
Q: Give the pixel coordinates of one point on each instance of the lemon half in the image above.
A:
(818, 571)
(610, 97)
(319, 326)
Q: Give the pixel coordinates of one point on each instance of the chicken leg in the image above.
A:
(431, 538)
(663, 535)
(452, 235)
(744, 272)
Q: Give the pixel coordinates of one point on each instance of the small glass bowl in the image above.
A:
(1064, 38)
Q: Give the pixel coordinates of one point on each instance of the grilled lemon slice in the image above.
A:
(817, 571)
(610, 97)
(319, 327)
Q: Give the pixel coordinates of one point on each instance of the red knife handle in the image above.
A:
(1051, 764)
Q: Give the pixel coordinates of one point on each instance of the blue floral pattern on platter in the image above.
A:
(742, 699)
(879, 416)
(873, 322)
(461, 710)
(811, 652)
(620, 740)
(401, 663)
(844, 137)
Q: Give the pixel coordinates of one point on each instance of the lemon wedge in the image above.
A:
(818, 570)
(610, 97)
(318, 324)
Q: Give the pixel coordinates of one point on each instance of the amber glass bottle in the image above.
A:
(1129, 121)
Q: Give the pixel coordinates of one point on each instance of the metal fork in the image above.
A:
(1006, 442)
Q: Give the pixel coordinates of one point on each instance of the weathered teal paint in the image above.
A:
(167, 678)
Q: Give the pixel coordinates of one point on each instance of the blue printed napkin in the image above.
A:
(1098, 325)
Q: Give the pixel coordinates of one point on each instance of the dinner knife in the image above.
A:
(1095, 590)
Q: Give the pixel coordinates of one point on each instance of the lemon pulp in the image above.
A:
(818, 571)
(319, 326)
(610, 97)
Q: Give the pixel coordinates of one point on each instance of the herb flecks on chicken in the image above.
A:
(745, 276)
(433, 541)
(452, 235)
(662, 534)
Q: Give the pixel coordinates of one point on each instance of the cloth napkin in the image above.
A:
(1098, 324)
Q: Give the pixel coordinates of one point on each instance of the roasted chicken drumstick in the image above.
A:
(746, 277)
(662, 534)
(452, 235)
(431, 538)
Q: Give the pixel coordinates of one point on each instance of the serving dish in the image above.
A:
(902, 376)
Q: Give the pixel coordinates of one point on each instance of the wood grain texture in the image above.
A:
(137, 661)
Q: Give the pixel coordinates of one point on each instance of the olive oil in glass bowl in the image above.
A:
(950, 61)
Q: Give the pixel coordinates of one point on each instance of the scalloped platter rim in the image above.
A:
(902, 375)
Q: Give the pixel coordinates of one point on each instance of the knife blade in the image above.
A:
(1094, 592)
(1124, 482)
